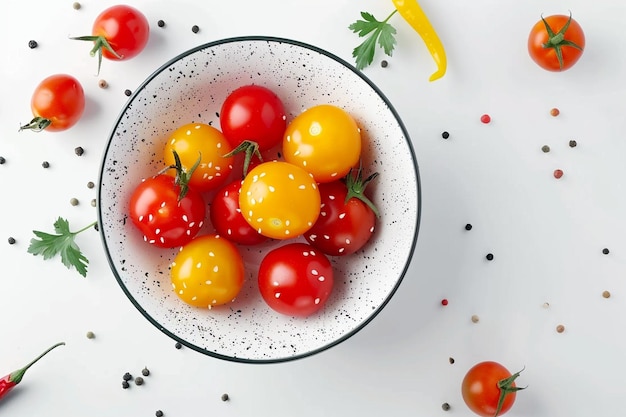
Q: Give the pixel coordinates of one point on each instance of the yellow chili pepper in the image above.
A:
(411, 11)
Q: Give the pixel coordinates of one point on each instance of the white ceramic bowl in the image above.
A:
(191, 88)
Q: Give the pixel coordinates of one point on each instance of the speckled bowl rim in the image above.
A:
(417, 182)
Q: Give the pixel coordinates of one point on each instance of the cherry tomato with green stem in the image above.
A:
(556, 42)
(347, 217)
(57, 104)
(295, 279)
(119, 33)
(207, 272)
(227, 219)
(489, 389)
(165, 210)
(253, 119)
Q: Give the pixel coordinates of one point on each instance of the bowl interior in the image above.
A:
(191, 88)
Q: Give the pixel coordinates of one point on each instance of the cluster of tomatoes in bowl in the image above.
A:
(309, 197)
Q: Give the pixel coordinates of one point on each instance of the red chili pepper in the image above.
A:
(11, 380)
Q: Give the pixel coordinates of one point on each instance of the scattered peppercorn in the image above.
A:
(95, 226)
(444, 302)
(79, 151)
(475, 318)
(468, 227)
(451, 360)
(90, 184)
(485, 118)
(558, 173)
(76, 5)
(125, 384)
(45, 164)
(545, 148)
(445, 406)
(11, 241)
(74, 201)
(560, 328)
(161, 23)
(546, 305)
(127, 376)
(445, 135)
(489, 256)
(572, 143)
(93, 202)
(159, 413)
(178, 345)
(128, 92)
(384, 63)
(606, 294)
(605, 251)
(225, 397)
(139, 381)
(554, 112)
(145, 371)
(32, 44)
(195, 29)
(2, 160)
(103, 84)
(90, 335)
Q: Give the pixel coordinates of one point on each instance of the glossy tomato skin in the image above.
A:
(60, 98)
(480, 389)
(125, 28)
(207, 272)
(342, 227)
(253, 113)
(198, 140)
(227, 219)
(295, 279)
(279, 200)
(165, 221)
(546, 58)
(325, 140)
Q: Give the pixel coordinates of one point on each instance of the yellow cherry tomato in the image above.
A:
(324, 140)
(207, 272)
(279, 200)
(198, 140)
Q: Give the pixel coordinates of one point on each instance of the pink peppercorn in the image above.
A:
(485, 118)
(558, 173)
(444, 302)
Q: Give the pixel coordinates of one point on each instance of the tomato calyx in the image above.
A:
(99, 43)
(557, 40)
(356, 187)
(250, 148)
(182, 175)
(507, 387)
(37, 124)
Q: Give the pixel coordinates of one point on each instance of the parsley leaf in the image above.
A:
(377, 32)
(63, 244)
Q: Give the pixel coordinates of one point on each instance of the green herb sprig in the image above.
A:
(377, 32)
(63, 244)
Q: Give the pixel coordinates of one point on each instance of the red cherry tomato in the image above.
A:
(488, 389)
(556, 42)
(227, 219)
(347, 218)
(57, 104)
(253, 113)
(164, 220)
(295, 279)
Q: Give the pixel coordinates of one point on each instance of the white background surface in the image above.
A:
(547, 235)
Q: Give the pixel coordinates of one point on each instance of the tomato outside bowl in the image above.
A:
(191, 88)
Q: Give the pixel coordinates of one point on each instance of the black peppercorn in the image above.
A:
(159, 413)
(445, 406)
(161, 23)
(225, 397)
(90, 184)
(11, 240)
(145, 371)
(128, 92)
(445, 135)
(572, 143)
(79, 151)
(125, 384)
(2, 160)
(384, 63)
(451, 360)
(139, 381)
(32, 44)
(45, 164)
(545, 148)
(605, 251)
(127, 376)
(178, 345)
(195, 29)
(489, 256)
(468, 227)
